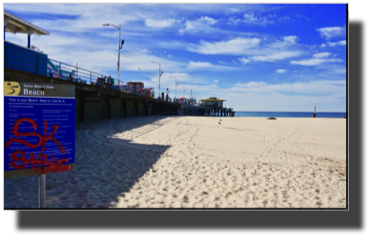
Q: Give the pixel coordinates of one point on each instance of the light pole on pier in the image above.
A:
(119, 47)
(184, 91)
(176, 84)
(191, 92)
(159, 75)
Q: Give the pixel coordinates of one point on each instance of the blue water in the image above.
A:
(289, 114)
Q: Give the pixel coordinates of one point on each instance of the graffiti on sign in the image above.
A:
(43, 159)
(39, 129)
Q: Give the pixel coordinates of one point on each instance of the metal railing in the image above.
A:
(24, 59)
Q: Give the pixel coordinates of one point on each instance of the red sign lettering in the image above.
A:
(42, 140)
(42, 162)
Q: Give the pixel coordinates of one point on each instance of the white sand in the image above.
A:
(194, 162)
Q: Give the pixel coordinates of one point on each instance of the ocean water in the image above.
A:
(290, 114)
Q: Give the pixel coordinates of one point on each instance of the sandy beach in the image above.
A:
(195, 162)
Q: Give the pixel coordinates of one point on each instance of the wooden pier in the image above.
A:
(95, 102)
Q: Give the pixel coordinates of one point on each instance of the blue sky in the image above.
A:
(258, 57)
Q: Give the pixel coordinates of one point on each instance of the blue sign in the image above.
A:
(39, 128)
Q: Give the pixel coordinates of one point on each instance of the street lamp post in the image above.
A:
(159, 75)
(184, 91)
(176, 84)
(119, 47)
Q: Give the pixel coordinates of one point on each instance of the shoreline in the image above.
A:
(290, 117)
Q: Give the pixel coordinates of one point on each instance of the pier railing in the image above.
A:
(24, 59)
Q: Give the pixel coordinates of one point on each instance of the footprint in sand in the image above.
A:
(265, 202)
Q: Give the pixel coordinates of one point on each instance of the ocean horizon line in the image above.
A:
(290, 111)
(290, 114)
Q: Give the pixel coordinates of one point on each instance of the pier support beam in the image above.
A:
(108, 110)
(81, 106)
(125, 111)
(146, 108)
(137, 108)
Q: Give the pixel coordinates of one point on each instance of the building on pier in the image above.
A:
(214, 107)
(212, 103)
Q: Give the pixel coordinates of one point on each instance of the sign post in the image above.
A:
(39, 130)
(42, 191)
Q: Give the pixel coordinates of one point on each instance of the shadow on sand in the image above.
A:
(105, 167)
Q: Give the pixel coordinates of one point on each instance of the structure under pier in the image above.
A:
(189, 110)
(219, 112)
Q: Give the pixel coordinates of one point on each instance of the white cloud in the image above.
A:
(322, 55)
(233, 10)
(290, 39)
(234, 46)
(251, 48)
(159, 23)
(85, 16)
(250, 18)
(331, 32)
(101, 58)
(193, 64)
(277, 56)
(321, 87)
(317, 59)
(251, 101)
(340, 70)
(340, 43)
(313, 62)
(216, 81)
(208, 20)
(206, 65)
(62, 9)
(244, 60)
(233, 21)
(251, 84)
(201, 24)
(284, 43)
(280, 71)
